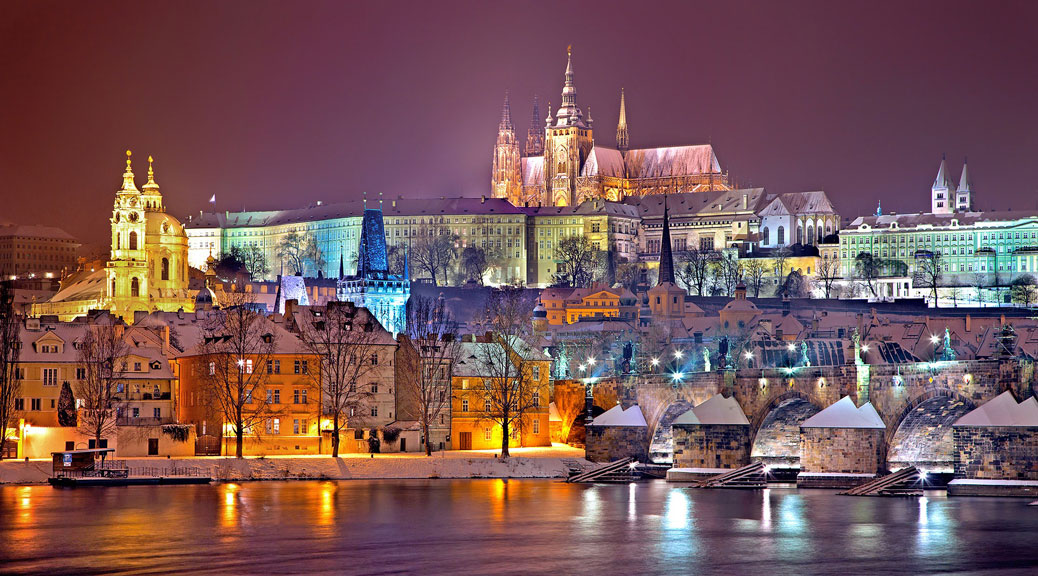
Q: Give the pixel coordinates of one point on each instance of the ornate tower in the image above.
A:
(126, 288)
(567, 144)
(941, 201)
(963, 194)
(535, 136)
(623, 142)
(506, 180)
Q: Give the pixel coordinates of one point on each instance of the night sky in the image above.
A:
(276, 105)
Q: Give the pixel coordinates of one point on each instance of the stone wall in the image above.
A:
(609, 443)
(711, 445)
(841, 450)
(996, 453)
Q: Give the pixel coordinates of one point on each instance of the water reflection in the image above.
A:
(492, 526)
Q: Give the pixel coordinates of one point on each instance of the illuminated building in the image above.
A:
(797, 218)
(567, 167)
(148, 267)
(373, 287)
(36, 251)
(569, 305)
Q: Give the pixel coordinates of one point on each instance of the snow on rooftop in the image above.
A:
(1003, 410)
(716, 410)
(617, 416)
(844, 414)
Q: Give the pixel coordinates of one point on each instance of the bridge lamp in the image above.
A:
(792, 347)
(864, 347)
(591, 361)
(655, 362)
(583, 368)
(748, 355)
(934, 339)
(677, 376)
(922, 476)
(763, 383)
(632, 465)
(678, 354)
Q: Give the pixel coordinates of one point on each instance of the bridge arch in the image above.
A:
(775, 429)
(921, 434)
(661, 447)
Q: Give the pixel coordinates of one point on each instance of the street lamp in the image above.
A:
(655, 362)
(591, 361)
(678, 354)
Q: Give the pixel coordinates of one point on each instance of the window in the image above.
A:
(374, 411)
(374, 387)
(443, 395)
(136, 412)
(165, 268)
(297, 366)
(464, 404)
(299, 396)
(764, 236)
(536, 399)
(300, 426)
(36, 402)
(212, 368)
(133, 240)
(486, 433)
(136, 366)
(374, 359)
(273, 396)
(19, 404)
(157, 412)
(486, 405)
(306, 369)
(248, 366)
(781, 237)
(536, 371)
(536, 426)
(50, 376)
(135, 288)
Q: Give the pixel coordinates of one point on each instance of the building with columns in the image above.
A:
(566, 166)
(797, 218)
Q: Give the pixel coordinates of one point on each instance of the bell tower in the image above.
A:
(126, 285)
(568, 141)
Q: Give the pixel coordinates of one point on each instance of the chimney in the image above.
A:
(969, 322)
(483, 199)
(745, 201)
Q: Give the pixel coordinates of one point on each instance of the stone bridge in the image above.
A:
(918, 402)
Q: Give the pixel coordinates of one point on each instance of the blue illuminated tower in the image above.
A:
(385, 295)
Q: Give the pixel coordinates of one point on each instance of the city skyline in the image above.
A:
(269, 108)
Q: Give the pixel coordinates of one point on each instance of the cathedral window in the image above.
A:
(165, 268)
(781, 238)
(765, 236)
(133, 240)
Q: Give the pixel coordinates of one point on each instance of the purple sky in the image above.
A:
(272, 105)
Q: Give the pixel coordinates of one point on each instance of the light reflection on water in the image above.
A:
(510, 527)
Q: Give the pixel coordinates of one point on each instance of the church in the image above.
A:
(147, 270)
(562, 166)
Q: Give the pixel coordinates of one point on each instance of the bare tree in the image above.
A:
(755, 270)
(435, 252)
(929, 268)
(578, 262)
(101, 358)
(301, 252)
(1024, 289)
(433, 333)
(867, 269)
(10, 385)
(693, 269)
(505, 365)
(780, 257)
(474, 263)
(344, 338)
(979, 281)
(828, 273)
(236, 344)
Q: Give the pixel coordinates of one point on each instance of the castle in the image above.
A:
(563, 166)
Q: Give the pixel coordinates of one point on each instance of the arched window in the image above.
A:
(810, 233)
(800, 235)
(118, 241)
(133, 240)
(781, 238)
(765, 237)
(165, 268)
(112, 293)
(135, 288)
(562, 168)
(820, 230)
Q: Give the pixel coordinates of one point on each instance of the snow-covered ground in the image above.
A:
(523, 463)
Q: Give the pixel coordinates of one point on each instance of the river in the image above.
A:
(504, 527)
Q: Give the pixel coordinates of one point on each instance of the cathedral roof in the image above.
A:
(671, 161)
(695, 204)
(533, 170)
(604, 161)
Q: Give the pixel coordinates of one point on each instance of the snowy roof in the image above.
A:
(1003, 410)
(672, 161)
(844, 414)
(604, 162)
(617, 416)
(799, 203)
(716, 410)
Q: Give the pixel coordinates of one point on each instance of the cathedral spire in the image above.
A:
(568, 113)
(623, 142)
(942, 175)
(128, 183)
(506, 115)
(535, 135)
(666, 255)
(964, 180)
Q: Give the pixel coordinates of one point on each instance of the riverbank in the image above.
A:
(524, 463)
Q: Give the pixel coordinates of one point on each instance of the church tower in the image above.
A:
(567, 143)
(535, 135)
(127, 269)
(941, 201)
(506, 181)
(963, 194)
(623, 142)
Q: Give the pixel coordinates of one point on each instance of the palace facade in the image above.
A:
(563, 166)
